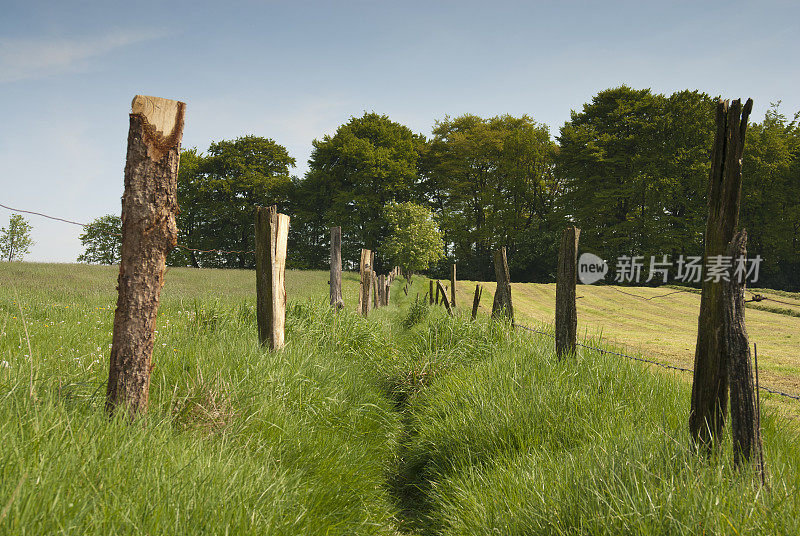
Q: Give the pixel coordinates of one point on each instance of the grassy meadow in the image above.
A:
(409, 422)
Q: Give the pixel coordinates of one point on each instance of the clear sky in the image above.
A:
(295, 70)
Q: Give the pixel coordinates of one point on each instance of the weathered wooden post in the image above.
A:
(272, 232)
(375, 303)
(453, 287)
(430, 292)
(365, 270)
(386, 292)
(744, 419)
(149, 207)
(710, 381)
(336, 268)
(476, 301)
(566, 279)
(502, 297)
(381, 289)
(445, 301)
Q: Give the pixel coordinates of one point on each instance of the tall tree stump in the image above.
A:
(744, 417)
(502, 305)
(566, 279)
(336, 268)
(149, 232)
(710, 381)
(272, 232)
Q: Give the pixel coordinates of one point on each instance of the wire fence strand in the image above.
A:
(644, 360)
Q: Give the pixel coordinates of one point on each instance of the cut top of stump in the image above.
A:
(163, 116)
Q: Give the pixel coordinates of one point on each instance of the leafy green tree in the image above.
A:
(771, 198)
(414, 240)
(369, 162)
(218, 193)
(635, 167)
(15, 241)
(492, 182)
(102, 239)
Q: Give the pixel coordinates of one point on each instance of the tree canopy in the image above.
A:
(15, 240)
(414, 241)
(102, 239)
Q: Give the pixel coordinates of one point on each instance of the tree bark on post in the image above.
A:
(272, 232)
(365, 269)
(502, 305)
(710, 381)
(430, 293)
(149, 232)
(744, 419)
(476, 301)
(381, 289)
(386, 291)
(453, 287)
(566, 279)
(336, 268)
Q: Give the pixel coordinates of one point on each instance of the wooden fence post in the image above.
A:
(430, 293)
(149, 207)
(502, 297)
(453, 287)
(476, 301)
(336, 268)
(386, 291)
(445, 301)
(365, 269)
(744, 429)
(272, 232)
(566, 279)
(710, 381)
(381, 289)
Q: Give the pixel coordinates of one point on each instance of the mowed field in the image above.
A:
(661, 324)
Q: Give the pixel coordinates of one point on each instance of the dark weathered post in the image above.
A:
(430, 292)
(149, 206)
(445, 301)
(710, 381)
(381, 289)
(502, 305)
(272, 233)
(336, 268)
(476, 301)
(453, 287)
(566, 279)
(744, 420)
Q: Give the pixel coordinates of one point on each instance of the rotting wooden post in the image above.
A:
(272, 233)
(476, 301)
(149, 232)
(453, 287)
(744, 420)
(502, 297)
(381, 289)
(710, 380)
(430, 292)
(386, 292)
(566, 279)
(336, 268)
(365, 269)
(375, 303)
(445, 301)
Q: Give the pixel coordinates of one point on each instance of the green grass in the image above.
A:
(409, 422)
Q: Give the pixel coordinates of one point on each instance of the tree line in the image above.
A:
(630, 169)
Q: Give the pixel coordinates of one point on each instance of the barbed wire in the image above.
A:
(84, 225)
(644, 360)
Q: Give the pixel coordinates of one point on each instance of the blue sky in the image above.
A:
(294, 71)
